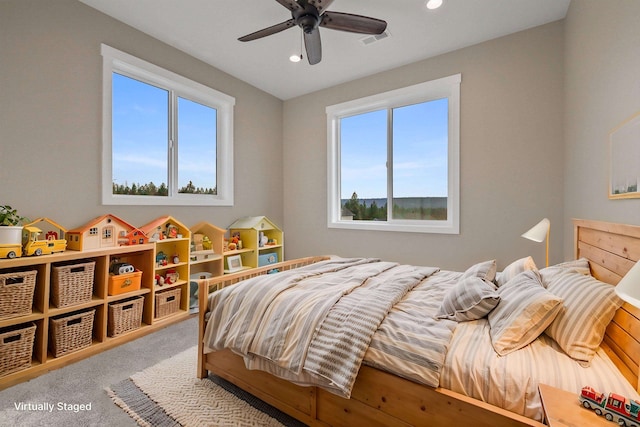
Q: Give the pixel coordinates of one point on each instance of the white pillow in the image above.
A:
(589, 306)
(470, 299)
(525, 310)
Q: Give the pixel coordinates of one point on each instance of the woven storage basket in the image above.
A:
(70, 333)
(72, 284)
(167, 302)
(16, 293)
(16, 347)
(124, 316)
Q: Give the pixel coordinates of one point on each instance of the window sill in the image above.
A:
(435, 227)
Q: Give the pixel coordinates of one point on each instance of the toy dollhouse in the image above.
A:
(102, 232)
(165, 227)
(262, 241)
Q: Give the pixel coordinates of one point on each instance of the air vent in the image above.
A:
(374, 38)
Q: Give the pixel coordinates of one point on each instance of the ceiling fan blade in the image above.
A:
(292, 5)
(268, 31)
(321, 5)
(313, 46)
(352, 23)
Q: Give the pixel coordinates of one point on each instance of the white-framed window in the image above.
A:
(167, 140)
(394, 160)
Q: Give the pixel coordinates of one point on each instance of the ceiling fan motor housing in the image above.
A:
(307, 17)
(308, 23)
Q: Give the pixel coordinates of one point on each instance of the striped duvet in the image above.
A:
(313, 325)
(316, 325)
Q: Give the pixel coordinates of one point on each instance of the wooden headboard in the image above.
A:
(612, 249)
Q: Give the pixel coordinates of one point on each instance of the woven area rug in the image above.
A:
(170, 394)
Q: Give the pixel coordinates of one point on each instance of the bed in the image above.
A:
(381, 396)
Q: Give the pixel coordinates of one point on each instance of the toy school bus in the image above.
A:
(614, 407)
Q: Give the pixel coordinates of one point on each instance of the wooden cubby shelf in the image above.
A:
(142, 256)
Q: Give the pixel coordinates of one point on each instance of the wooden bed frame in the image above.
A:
(383, 399)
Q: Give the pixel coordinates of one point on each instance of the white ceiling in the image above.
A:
(209, 29)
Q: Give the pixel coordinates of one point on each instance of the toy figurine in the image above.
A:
(172, 231)
(171, 276)
(262, 239)
(161, 259)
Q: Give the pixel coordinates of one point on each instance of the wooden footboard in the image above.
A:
(378, 398)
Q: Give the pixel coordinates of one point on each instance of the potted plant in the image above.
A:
(10, 225)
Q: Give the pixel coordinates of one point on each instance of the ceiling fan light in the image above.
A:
(433, 4)
(295, 58)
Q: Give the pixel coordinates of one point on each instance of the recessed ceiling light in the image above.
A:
(433, 4)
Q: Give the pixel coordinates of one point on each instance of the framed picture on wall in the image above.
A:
(624, 158)
(234, 263)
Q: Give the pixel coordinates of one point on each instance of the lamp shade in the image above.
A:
(629, 286)
(539, 232)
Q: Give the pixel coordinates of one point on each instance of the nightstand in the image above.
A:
(563, 409)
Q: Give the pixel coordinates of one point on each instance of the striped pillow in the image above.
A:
(525, 310)
(589, 307)
(484, 270)
(515, 268)
(579, 265)
(470, 299)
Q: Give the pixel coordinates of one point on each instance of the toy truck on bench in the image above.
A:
(613, 406)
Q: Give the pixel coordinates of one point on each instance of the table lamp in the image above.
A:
(629, 286)
(539, 233)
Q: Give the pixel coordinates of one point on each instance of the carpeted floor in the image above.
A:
(75, 395)
(84, 383)
(169, 394)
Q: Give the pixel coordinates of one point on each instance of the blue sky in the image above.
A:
(419, 157)
(140, 129)
(140, 134)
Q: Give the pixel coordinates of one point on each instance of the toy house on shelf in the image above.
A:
(106, 231)
(172, 241)
(133, 237)
(262, 242)
(206, 249)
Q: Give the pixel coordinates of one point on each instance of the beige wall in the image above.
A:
(602, 89)
(511, 156)
(536, 110)
(50, 118)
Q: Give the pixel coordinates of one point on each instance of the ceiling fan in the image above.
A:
(310, 15)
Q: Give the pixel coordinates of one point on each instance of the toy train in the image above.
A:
(613, 406)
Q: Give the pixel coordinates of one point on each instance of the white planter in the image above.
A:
(10, 235)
